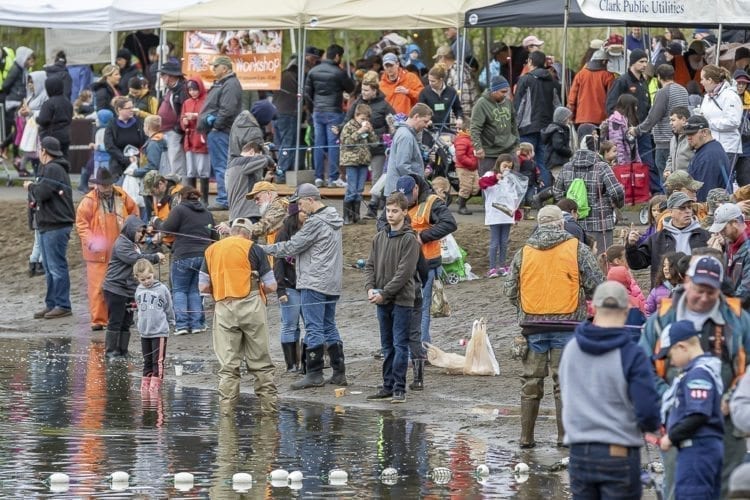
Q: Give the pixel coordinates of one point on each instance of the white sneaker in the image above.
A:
(181, 331)
(200, 330)
(339, 183)
(318, 182)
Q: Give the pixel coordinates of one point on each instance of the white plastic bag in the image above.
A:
(132, 186)
(30, 137)
(452, 362)
(449, 250)
(480, 357)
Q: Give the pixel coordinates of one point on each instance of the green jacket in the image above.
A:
(493, 126)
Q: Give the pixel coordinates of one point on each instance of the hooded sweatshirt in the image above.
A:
(34, 101)
(681, 235)
(242, 174)
(556, 136)
(58, 70)
(493, 126)
(194, 142)
(155, 310)
(318, 248)
(14, 84)
(405, 157)
(607, 388)
(119, 279)
(392, 264)
(245, 129)
(56, 114)
(590, 276)
(194, 224)
(52, 196)
(543, 95)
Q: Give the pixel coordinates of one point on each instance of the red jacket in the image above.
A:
(587, 98)
(194, 141)
(465, 157)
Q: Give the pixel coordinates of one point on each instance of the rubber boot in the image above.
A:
(336, 353)
(191, 181)
(347, 213)
(155, 386)
(540, 197)
(529, 412)
(290, 355)
(124, 341)
(110, 344)
(462, 207)
(558, 417)
(302, 356)
(314, 375)
(204, 190)
(372, 208)
(355, 211)
(145, 384)
(418, 367)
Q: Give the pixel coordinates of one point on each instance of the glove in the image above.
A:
(210, 119)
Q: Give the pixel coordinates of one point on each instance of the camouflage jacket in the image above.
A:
(355, 149)
(271, 220)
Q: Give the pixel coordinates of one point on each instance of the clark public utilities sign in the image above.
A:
(668, 11)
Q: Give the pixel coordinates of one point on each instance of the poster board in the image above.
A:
(255, 54)
(80, 46)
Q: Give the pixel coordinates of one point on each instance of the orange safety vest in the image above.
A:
(547, 289)
(420, 220)
(660, 365)
(161, 210)
(228, 264)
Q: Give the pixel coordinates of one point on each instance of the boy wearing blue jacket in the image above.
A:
(609, 401)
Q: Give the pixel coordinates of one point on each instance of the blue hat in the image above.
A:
(264, 111)
(103, 116)
(405, 184)
(498, 83)
(706, 271)
(673, 333)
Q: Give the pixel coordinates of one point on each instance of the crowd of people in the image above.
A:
(671, 362)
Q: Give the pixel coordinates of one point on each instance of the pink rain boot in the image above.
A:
(145, 384)
(155, 387)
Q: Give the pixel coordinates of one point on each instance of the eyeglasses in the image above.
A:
(127, 107)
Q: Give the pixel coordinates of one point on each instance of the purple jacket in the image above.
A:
(655, 296)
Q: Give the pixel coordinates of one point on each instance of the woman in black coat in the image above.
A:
(105, 89)
(124, 130)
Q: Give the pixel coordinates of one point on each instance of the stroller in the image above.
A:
(439, 156)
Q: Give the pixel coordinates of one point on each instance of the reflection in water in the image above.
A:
(64, 410)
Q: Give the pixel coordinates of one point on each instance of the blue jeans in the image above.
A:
(543, 342)
(646, 152)
(596, 474)
(355, 183)
(536, 140)
(698, 473)
(326, 141)
(290, 313)
(218, 152)
(394, 343)
(660, 159)
(319, 315)
(188, 306)
(427, 302)
(54, 246)
(499, 236)
(286, 140)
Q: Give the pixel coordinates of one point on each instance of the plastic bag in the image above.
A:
(480, 357)
(452, 362)
(132, 186)
(449, 249)
(439, 307)
(30, 136)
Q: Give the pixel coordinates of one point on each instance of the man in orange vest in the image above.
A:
(99, 219)
(237, 274)
(550, 279)
(724, 332)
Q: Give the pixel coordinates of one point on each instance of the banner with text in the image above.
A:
(653, 11)
(80, 46)
(255, 55)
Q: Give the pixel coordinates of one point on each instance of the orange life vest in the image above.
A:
(420, 220)
(547, 289)
(228, 264)
(162, 208)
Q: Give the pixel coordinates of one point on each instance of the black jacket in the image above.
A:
(284, 268)
(60, 71)
(103, 95)
(52, 196)
(325, 86)
(380, 109)
(223, 102)
(126, 74)
(442, 105)
(118, 135)
(14, 88)
(629, 84)
(56, 113)
(542, 93)
(194, 225)
(556, 138)
(285, 99)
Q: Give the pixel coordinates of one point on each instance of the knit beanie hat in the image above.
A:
(103, 116)
(498, 83)
(264, 111)
(561, 114)
(636, 55)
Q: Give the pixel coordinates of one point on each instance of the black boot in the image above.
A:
(302, 356)
(290, 355)
(418, 366)
(336, 353)
(540, 197)
(355, 211)
(32, 269)
(462, 207)
(314, 376)
(204, 190)
(191, 181)
(347, 213)
(123, 342)
(111, 347)
(372, 208)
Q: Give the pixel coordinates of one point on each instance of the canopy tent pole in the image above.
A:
(564, 76)
(292, 41)
(112, 46)
(461, 57)
(718, 44)
(160, 61)
(487, 73)
(300, 92)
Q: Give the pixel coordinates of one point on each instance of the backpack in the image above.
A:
(577, 192)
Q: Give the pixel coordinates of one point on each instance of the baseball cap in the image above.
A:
(706, 270)
(600, 55)
(259, 187)
(596, 44)
(498, 47)
(673, 333)
(223, 60)
(313, 51)
(682, 180)
(678, 199)
(150, 180)
(610, 295)
(549, 213)
(725, 214)
(305, 191)
(243, 223)
(51, 146)
(405, 184)
(695, 124)
(531, 40)
(390, 58)
(443, 51)
(741, 76)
